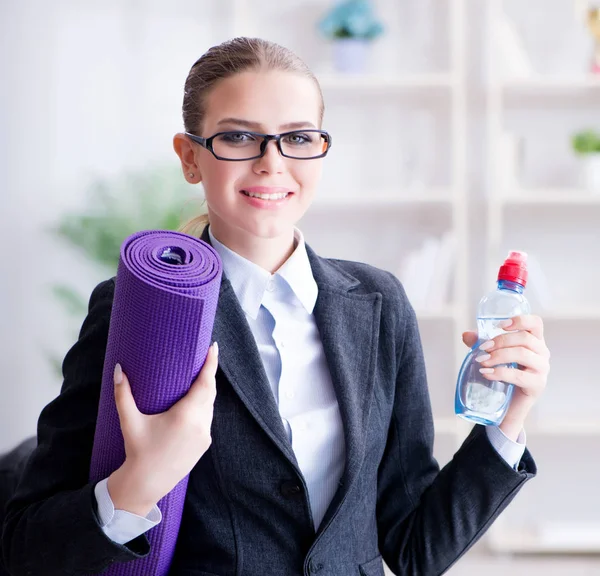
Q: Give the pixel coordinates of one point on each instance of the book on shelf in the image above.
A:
(538, 286)
(426, 272)
(514, 61)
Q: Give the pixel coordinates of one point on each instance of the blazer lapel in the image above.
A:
(348, 323)
(240, 361)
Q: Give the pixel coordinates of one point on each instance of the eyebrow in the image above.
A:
(257, 126)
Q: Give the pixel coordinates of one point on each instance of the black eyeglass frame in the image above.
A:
(207, 143)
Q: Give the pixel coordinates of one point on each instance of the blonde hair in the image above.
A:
(225, 60)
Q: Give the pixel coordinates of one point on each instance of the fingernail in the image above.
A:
(482, 357)
(505, 323)
(118, 374)
(216, 348)
(486, 370)
(487, 345)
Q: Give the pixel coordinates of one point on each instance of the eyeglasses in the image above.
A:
(236, 146)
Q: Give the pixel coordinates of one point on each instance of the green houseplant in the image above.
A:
(151, 199)
(586, 144)
(352, 25)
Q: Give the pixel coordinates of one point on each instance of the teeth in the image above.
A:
(266, 196)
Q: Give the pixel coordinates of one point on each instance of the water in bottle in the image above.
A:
(477, 398)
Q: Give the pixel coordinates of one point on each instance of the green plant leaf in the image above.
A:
(55, 362)
(74, 304)
(150, 199)
(586, 142)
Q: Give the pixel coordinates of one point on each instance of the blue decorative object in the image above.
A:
(351, 19)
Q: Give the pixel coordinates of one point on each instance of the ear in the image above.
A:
(184, 148)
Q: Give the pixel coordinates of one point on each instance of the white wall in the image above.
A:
(88, 89)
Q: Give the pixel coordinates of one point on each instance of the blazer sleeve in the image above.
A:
(427, 518)
(52, 526)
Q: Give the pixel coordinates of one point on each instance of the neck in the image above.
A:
(268, 253)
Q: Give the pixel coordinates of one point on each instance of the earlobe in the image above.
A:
(193, 177)
(185, 150)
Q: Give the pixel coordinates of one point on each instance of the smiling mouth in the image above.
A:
(278, 196)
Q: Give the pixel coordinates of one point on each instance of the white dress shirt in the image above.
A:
(279, 310)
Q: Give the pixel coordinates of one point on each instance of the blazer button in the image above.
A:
(314, 566)
(289, 488)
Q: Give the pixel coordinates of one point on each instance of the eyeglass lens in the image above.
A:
(243, 145)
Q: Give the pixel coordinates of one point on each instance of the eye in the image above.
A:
(237, 138)
(299, 138)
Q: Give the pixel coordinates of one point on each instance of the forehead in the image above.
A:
(271, 98)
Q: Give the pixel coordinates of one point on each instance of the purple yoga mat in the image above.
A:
(165, 301)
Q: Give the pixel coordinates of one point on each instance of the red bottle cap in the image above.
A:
(514, 268)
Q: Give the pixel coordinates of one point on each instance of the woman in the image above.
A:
(308, 433)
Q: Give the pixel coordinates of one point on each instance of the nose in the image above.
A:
(272, 162)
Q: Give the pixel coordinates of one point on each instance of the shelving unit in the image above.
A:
(390, 211)
(555, 196)
(379, 219)
(555, 434)
(449, 84)
(545, 85)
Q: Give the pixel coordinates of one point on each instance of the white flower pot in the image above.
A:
(350, 55)
(591, 172)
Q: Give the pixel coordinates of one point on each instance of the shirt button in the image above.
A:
(302, 426)
(281, 344)
(271, 285)
(290, 394)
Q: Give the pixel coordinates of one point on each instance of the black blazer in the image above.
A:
(247, 510)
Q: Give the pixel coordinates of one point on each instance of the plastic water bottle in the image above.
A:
(478, 399)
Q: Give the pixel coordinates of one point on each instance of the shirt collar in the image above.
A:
(249, 281)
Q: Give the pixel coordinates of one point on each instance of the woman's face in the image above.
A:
(270, 102)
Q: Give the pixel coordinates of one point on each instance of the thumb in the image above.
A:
(204, 387)
(126, 406)
(469, 338)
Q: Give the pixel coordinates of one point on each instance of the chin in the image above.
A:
(271, 229)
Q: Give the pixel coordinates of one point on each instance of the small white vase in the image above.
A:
(350, 55)
(591, 172)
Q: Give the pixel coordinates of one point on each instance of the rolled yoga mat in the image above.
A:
(165, 301)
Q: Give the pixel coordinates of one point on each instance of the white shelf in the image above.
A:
(446, 313)
(563, 428)
(385, 200)
(376, 83)
(590, 313)
(549, 85)
(568, 538)
(552, 196)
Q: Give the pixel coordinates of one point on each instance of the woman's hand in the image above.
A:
(527, 348)
(161, 449)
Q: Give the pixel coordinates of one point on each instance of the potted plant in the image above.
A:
(352, 25)
(157, 198)
(587, 145)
